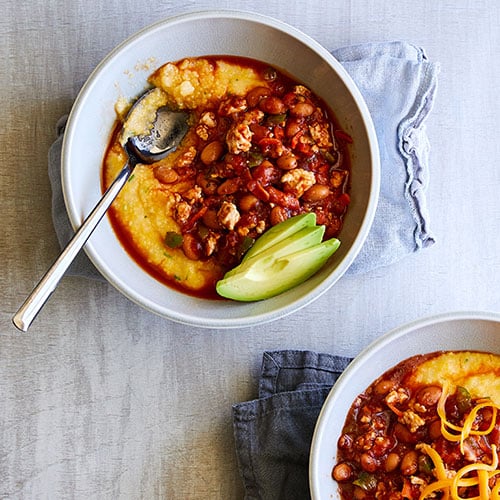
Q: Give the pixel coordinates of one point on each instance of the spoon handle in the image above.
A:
(40, 294)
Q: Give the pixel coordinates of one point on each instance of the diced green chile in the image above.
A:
(245, 245)
(425, 464)
(366, 481)
(463, 400)
(255, 158)
(277, 119)
(173, 239)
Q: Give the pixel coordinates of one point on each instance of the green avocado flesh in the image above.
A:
(277, 234)
(280, 265)
(281, 232)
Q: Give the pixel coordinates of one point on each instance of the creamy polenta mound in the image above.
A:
(478, 372)
(261, 148)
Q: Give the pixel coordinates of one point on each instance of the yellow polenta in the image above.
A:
(478, 372)
(195, 82)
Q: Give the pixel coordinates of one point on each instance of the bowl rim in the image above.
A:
(359, 360)
(299, 302)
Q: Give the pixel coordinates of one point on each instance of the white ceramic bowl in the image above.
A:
(456, 331)
(123, 73)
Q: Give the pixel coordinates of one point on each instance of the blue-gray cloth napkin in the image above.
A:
(398, 83)
(273, 433)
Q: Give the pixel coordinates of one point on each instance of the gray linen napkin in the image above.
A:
(399, 85)
(273, 433)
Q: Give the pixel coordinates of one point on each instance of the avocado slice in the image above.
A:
(303, 238)
(266, 276)
(281, 232)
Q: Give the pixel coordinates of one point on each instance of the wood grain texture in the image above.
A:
(104, 400)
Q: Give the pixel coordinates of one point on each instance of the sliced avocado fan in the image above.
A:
(280, 259)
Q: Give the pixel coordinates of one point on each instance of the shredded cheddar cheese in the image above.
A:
(475, 474)
(495, 492)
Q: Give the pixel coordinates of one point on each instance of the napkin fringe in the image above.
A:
(414, 147)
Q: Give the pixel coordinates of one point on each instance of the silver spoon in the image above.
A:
(168, 129)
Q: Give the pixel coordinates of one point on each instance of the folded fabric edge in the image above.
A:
(397, 48)
(299, 363)
(244, 454)
(81, 266)
(414, 148)
(245, 417)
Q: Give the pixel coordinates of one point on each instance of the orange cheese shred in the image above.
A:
(476, 474)
(449, 483)
(495, 492)
(469, 421)
(441, 411)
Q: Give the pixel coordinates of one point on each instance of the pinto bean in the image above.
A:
(384, 387)
(287, 161)
(266, 173)
(210, 219)
(191, 247)
(248, 202)
(278, 214)
(317, 192)
(345, 442)
(272, 105)
(256, 94)
(208, 186)
(165, 175)
(403, 433)
(293, 127)
(302, 109)
(229, 186)
(368, 462)
(211, 152)
(409, 463)
(435, 429)
(391, 462)
(342, 472)
(272, 147)
(428, 396)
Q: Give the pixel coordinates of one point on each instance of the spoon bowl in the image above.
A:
(168, 127)
(164, 132)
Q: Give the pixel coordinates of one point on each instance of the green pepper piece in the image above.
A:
(203, 231)
(245, 245)
(255, 159)
(173, 239)
(366, 481)
(425, 464)
(464, 400)
(276, 119)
